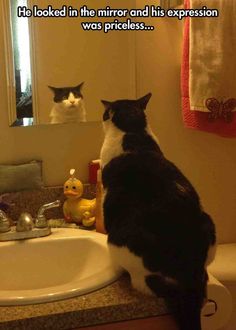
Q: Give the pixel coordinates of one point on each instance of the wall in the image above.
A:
(207, 160)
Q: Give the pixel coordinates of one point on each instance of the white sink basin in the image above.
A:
(68, 263)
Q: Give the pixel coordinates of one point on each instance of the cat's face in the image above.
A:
(68, 97)
(127, 115)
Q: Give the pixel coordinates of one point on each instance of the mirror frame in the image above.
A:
(9, 61)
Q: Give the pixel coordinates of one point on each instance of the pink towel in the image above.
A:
(223, 124)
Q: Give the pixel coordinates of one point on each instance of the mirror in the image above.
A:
(57, 52)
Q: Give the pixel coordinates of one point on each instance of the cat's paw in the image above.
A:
(139, 284)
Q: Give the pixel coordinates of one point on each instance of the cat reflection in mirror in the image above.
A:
(157, 228)
(68, 105)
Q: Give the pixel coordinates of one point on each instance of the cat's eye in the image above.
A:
(64, 98)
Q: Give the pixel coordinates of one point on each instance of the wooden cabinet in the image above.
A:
(154, 323)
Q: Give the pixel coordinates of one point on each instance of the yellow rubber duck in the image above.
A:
(75, 208)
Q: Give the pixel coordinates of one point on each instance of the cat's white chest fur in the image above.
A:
(112, 145)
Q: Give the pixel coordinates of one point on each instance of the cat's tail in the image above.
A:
(185, 304)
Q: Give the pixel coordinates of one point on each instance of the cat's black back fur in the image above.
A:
(152, 208)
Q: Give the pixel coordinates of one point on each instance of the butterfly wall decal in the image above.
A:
(220, 109)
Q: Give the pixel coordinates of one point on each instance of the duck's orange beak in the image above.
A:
(70, 193)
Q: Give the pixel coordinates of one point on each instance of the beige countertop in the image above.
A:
(115, 302)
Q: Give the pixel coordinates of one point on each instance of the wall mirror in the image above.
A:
(57, 52)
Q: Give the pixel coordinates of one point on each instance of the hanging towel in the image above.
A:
(209, 69)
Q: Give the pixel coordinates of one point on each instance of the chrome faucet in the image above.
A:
(26, 228)
(41, 221)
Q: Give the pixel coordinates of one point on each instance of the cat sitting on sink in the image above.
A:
(68, 105)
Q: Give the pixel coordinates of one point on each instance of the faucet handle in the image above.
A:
(25, 222)
(5, 225)
(41, 221)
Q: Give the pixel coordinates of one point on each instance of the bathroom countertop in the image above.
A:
(116, 302)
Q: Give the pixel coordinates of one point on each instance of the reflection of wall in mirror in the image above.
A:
(67, 55)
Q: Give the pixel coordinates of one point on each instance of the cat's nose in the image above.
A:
(72, 102)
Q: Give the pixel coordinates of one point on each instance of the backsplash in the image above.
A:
(31, 201)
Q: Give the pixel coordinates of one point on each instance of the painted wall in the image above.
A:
(207, 160)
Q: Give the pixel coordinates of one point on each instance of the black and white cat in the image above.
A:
(68, 105)
(157, 229)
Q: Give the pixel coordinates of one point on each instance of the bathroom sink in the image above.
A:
(68, 263)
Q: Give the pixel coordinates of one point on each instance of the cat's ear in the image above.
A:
(80, 86)
(143, 101)
(106, 104)
(54, 89)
